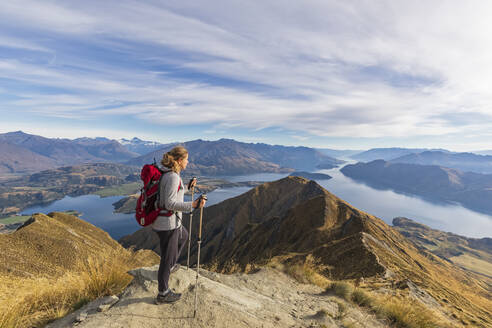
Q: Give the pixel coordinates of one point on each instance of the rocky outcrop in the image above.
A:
(267, 298)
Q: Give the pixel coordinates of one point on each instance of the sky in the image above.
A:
(329, 74)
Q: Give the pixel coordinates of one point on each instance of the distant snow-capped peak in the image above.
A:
(137, 141)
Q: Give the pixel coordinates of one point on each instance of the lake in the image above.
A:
(95, 210)
(385, 204)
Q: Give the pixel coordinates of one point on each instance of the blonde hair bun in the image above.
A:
(170, 159)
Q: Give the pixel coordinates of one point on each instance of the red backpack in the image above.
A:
(148, 209)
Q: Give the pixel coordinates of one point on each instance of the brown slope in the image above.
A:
(474, 254)
(294, 220)
(345, 242)
(348, 242)
(51, 245)
(222, 222)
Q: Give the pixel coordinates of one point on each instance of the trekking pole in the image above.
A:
(198, 258)
(189, 231)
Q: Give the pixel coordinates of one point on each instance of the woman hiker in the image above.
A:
(172, 234)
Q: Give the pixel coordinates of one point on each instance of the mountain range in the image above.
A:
(479, 162)
(27, 153)
(141, 147)
(460, 161)
(230, 157)
(387, 154)
(15, 159)
(295, 222)
(23, 153)
(472, 190)
(483, 152)
(337, 153)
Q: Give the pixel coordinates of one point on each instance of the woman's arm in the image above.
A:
(169, 193)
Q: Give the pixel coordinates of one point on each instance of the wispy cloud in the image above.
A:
(326, 68)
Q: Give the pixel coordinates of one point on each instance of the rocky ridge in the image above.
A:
(294, 221)
(266, 298)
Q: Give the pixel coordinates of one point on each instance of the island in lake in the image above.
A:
(310, 176)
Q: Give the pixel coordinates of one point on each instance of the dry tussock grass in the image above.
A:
(306, 271)
(32, 302)
(342, 289)
(306, 274)
(405, 313)
(399, 312)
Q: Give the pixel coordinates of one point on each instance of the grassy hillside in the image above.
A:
(14, 219)
(57, 263)
(474, 254)
(295, 222)
(120, 190)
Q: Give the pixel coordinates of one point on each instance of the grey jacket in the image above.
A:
(171, 199)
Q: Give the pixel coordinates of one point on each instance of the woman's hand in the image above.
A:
(192, 183)
(199, 202)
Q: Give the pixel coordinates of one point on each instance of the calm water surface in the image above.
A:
(95, 210)
(385, 204)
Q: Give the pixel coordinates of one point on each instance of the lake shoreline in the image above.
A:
(385, 204)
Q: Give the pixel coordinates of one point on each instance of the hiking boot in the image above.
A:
(170, 297)
(175, 267)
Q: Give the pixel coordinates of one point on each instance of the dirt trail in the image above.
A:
(267, 298)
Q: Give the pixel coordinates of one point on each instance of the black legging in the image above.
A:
(169, 241)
